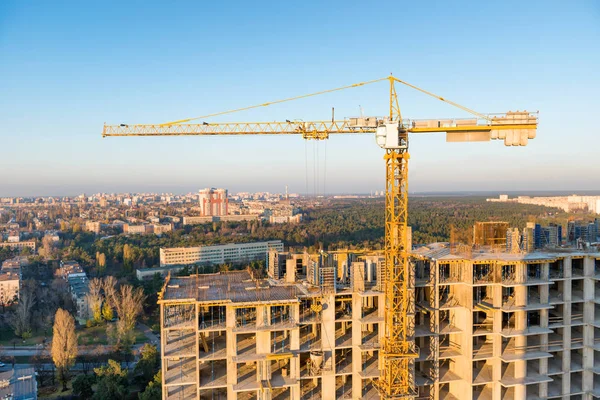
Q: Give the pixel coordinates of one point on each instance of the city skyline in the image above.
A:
(71, 69)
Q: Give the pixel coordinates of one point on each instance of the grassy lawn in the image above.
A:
(96, 335)
(93, 335)
(54, 392)
(8, 339)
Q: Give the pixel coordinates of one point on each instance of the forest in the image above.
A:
(334, 224)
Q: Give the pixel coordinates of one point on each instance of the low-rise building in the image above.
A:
(93, 226)
(79, 289)
(19, 245)
(137, 229)
(162, 228)
(9, 288)
(220, 254)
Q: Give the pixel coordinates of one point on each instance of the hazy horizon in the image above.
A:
(182, 191)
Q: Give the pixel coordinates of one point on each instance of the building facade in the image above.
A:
(489, 325)
(221, 254)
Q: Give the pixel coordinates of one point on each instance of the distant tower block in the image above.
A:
(290, 270)
(213, 202)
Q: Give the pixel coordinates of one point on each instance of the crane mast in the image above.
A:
(398, 352)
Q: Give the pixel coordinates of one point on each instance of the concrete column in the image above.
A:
(163, 344)
(231, 351)
(356, 352)
(328, 342)
(197, 335)
(263, 338)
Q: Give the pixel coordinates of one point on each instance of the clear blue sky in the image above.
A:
(68, 67)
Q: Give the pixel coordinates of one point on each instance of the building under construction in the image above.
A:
(488, 325)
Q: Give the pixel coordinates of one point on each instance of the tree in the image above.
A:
(101, 260)
(127, 256)
(112, 381)
(128, 303)
(47, 247)
(64, 344)
(94, 298)
(107, 312)
(153, 390)
(148, 363)
(82, 386)
(110, 286)
(21, 318)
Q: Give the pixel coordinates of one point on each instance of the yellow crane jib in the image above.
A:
(398, 351)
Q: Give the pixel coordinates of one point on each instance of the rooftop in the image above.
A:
(229, 287)
(441, 251)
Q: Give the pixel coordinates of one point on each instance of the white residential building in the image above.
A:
(220, 254)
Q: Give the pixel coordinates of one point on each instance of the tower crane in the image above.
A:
(392, 132)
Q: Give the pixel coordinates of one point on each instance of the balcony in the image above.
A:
(483, 274)
(370, 367)
(555, 364)
(512, 353)
(216, 346)
(245, 348)
(555, 387)
(371, 316)
(310, 390)
(213, 374)
(181, 371)
(245, 320)
(555, 297)
(555, 342)
(577, 295)
(343, 339)
(448, 301)
(343, 361)
(511, 331)
(310, 341)
(447, 375)
(370, 341)
(533, 376)
(483, 393)
(212, 318)
(182, 392)
(280, 375)
(483, 351)
(484, 304)
(280, 342)
(483, 375)
(180, 343)
(343, 388)
(450, 351)
(422, 378)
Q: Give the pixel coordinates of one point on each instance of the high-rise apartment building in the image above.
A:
(213, 202)
(488, 325)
